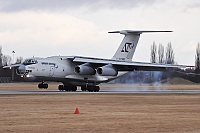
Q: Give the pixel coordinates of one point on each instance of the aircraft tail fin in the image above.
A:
(128, 45)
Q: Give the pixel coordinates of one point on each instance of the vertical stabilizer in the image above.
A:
(128, 45)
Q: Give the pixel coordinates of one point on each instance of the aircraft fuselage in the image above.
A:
(60, 70)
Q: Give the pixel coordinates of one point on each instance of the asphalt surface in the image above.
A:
(22, 92)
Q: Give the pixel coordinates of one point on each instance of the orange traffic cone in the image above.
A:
(76, 111)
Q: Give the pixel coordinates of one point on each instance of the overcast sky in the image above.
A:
(43, 28)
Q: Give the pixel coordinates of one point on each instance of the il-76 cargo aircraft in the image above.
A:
(86, 72)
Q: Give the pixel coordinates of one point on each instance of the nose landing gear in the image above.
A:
(43, 85)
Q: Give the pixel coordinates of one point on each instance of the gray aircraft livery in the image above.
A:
(86, 72)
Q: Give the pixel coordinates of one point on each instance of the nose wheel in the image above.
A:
(43, 85)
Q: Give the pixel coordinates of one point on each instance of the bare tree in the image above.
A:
(197, 59)
(153, 52)
(169, 55)
(19, 60)
(161, 53)
(6, 60)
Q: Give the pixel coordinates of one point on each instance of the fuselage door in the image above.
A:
(51, 70)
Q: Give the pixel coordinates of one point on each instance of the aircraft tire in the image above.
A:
(70, 88)
(96, 88)
(61, 88)
(90, 88)
(73, 88)
(66, 88)
(42, 86)
(45, 86)
(83, 88)
(39, 86)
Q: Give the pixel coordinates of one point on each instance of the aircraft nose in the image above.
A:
(21, 69)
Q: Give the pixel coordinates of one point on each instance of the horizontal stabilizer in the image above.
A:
(128, 45)
(125, 32)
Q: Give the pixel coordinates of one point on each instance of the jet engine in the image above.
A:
(85, 69)
(107, 70)
(21, 69)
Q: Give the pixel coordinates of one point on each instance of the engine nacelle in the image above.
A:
(107, 70)
(85, 69)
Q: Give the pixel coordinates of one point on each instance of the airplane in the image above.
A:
(87, 72)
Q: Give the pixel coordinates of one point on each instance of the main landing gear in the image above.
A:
(74, 88)
(90, 88)
(71, 87)
(67, 88)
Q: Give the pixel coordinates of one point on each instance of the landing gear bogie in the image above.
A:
(67, 88)
(74, 88)
(90, 88)
(83, 88)
(61, 88)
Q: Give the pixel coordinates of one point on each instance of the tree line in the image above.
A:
(7, 60)
(197, 59)
(160, 55)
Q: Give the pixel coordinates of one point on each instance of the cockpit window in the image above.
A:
(30, 61)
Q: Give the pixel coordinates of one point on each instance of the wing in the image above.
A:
(124, 65)
(11, 66)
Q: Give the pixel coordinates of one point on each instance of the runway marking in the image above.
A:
(20, 92)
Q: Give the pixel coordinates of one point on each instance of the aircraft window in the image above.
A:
(29, 71)
(45, 63)
(30, 61)
(52, 64)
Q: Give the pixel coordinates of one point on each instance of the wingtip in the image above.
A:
(114, 32)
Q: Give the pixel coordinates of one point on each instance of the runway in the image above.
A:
(36, 92)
